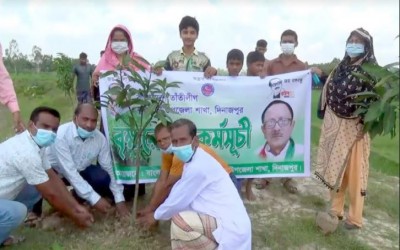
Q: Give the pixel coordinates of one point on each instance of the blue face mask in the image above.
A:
(83, 133)
(184, 153)
(168, 150)
(354, 49)
(44, 138)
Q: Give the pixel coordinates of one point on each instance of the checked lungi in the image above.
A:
(191, 230)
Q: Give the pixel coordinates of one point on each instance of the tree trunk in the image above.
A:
(138, 145)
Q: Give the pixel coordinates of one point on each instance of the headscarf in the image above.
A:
(343, 83)
(109, 60)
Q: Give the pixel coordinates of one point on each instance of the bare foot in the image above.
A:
(262, 183)
(249, 191)
(250, 195)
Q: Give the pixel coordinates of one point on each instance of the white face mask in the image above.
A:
(119, 47)
(287, 48)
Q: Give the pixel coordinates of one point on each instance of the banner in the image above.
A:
(261, 127)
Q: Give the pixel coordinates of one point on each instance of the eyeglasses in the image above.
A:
(282, 122)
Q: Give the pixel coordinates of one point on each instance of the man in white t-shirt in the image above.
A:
(23, 162)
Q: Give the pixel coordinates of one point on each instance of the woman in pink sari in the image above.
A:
(118, 45)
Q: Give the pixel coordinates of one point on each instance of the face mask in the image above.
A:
(287, 48)
(119, 47)
(184, 153)
(354, 49)
(83, 133)
(44, 138)
(168, 150)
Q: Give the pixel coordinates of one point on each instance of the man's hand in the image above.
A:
(82, 217)
(102, 205)
(210, 72)
(18, 124)
(95, 79)
(147, 221)
(144, 211)
(122, 210)
(158, 71)
(316, 70)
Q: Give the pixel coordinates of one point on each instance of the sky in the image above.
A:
(76, 26)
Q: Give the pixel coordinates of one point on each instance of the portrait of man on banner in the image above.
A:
(277, 126)
(276, 87)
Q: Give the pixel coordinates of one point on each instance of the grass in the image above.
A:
(276, 230)
(53, 98)
(301, 231)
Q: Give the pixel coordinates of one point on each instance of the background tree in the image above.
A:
(47, 64)
(37, 57)
(65, 79)
(12, 54)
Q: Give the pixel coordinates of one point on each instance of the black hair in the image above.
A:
(160, 126)
(272, 104)
(82, 55)
(78, 108)
(102, 52)
(43, 109)
(253, 57)
(188, 21)
(289, 33)
(262, 43)
(185, 122)
(235, 54)
(273, 79)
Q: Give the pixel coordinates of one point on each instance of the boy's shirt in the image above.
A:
(174, 166)
(177, 61)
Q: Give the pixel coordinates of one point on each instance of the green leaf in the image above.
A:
(366, 94)
(362, 76)
(132, 122)
(108, 73)
(373, 112)
(375, 70)
(118, 116)
(360, 111)
(159, 64)
(115, 91)
(389, 119)
(152, 138)
(121, 97)
(384, 80)
(136, 62)
(388, 96)
(168, 109)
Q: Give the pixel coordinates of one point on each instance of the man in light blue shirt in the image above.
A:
(78, 145)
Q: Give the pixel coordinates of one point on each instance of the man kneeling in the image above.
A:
(204, 205)
(78, 145)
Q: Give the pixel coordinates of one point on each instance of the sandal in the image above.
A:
(12, 240)
(349, 226)
(290, 186)
(32, 220)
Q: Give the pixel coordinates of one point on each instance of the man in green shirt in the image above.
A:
(83, 72)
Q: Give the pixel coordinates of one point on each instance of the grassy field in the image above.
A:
(280, 221)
